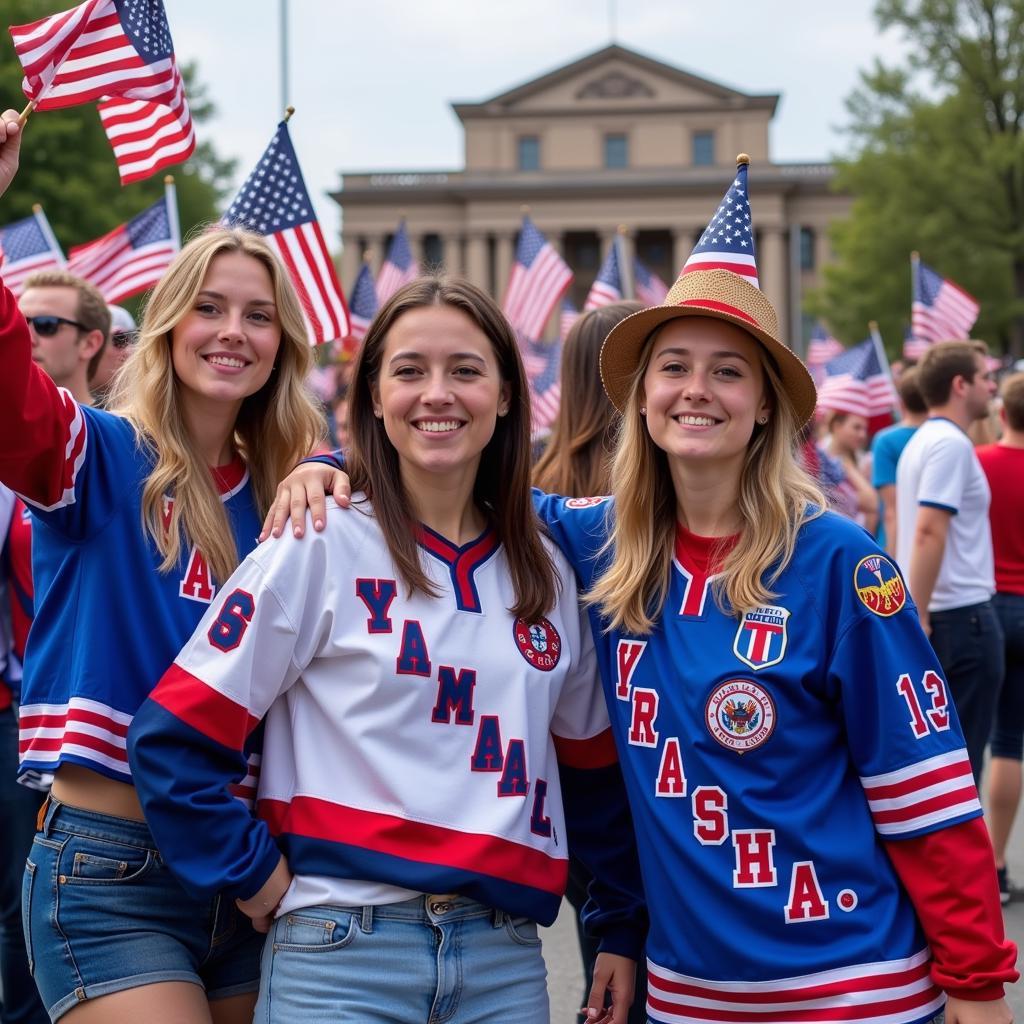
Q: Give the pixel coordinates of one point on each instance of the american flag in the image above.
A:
(27, 246)
(274, 202)
(728, 241)
(607, 286)
(859, 382)
(914, 348)
(569, 315)
(399, 267)
(941, 310)
(545, 387)
(117, 51)
(650, 289)
(362, 303)
(147, 136)
(134, 256)
(540, 277)
(821, 348)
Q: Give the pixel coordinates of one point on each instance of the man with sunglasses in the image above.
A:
(123, 335)
(69, 323)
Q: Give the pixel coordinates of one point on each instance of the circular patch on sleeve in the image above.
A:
(538, 642)
(879, 585)
(585, 502)
(740, 714)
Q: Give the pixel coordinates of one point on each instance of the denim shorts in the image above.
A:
(432, 958)
(103, 913)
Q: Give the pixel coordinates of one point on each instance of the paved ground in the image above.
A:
(565, 976)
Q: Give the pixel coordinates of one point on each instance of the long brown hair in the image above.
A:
(776, 498)
(502, 488)
(275, 428)
(576, 459)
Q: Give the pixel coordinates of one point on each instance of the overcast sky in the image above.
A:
(372, 80)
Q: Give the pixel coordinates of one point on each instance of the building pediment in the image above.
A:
(612, 79)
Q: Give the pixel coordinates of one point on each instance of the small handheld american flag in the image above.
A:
(27, 246)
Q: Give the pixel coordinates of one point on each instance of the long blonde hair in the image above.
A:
(275, 428)
(776, 497)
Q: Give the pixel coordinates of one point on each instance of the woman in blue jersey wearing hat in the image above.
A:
(796, 771)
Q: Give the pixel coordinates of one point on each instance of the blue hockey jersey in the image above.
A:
(767, 756)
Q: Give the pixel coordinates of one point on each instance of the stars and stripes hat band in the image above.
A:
(706, 288)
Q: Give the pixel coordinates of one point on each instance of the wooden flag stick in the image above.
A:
(23, 116)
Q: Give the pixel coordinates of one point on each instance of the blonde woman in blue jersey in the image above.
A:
(810, 835)
(434, 732)
(138, 514)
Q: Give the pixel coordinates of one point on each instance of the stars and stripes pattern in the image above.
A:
(728, 241)
(858, 382)
(134, 256)
(822, 347)
(147, 137)
(941, 310)
(26, 247)
(650, 289)
(914, 799)
(607, 287)
(914, 348)
(275, 203)
(399, 267)
(362, 303)
(115, 51)
(539, 278)
(545, 387)
(569, 315)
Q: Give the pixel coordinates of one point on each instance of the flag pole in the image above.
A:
(171, 198)
(23, 116)
(621, 243)
(44, 226)
(288, 111)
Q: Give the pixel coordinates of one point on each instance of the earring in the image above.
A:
(643, 410)
(762, 420)
(378, 413)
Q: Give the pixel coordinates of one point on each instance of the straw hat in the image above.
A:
(705, 288)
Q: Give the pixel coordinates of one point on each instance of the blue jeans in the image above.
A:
(104, 914)
(430, 959)
(969, 645)
(1008, 728)
(18, 809)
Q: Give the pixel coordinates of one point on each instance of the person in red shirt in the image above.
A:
(1003, 464)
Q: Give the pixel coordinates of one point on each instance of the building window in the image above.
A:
(529, 153)
(806, 249)
(703, 149)
(616, 152)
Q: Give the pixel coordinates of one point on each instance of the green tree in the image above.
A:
(67, 164)
(937, 166)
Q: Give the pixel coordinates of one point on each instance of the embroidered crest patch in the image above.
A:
(740, 715)
(761, 636)
(538, 642)
(879, 585)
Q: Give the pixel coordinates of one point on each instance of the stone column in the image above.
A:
(682, 245)
(380, 254)
(451, 247)
(476, 258)
(504, 254)
(772, 273)
(350, 262)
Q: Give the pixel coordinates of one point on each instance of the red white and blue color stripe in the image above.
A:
(28, 246)
(857, 382)
(650, 289)
(728, 241)
(399, 267)
(540, 277)
(607, 287)
(275, 202)
(941, 310)
(362, 303)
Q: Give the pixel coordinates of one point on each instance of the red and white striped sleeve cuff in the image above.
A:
(918, 798)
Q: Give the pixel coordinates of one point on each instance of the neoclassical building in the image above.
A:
(614, 141)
